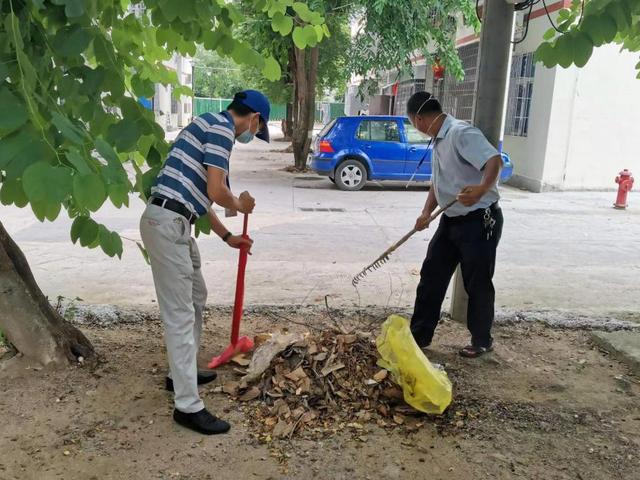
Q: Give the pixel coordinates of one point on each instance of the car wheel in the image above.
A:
(333, 180)
(351, 175)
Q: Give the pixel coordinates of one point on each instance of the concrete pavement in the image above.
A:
(565, 252)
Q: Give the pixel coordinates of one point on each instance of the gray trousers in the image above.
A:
(182, 295)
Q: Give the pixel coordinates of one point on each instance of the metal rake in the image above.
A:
(382, 259)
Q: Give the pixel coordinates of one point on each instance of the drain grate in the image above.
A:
(307, 209)
(310, 178)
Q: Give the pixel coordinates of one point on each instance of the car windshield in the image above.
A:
(413, 134)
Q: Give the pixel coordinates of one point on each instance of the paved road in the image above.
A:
(560, 251)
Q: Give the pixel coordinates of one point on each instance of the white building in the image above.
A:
(172, 112)
(565, 128)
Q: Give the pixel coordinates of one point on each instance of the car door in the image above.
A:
(380, 140)
(417, 145)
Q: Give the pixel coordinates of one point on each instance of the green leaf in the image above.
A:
(283, 24)
(276, 6)
(66, 128)
(12, 193)
(621, 13)
(79, 162)
(564, 50)
(547, 55)
(72, 40)
(227, 45)
(88, 232)
(299, 38)
(582, 49)
(119, 194)
(107, 152)
(142, 86)
(549, 34)
(271, 69)
(303, 11)
(311, 35)
(124, 134)
(601, 29)
(144, 252)
(44, 183)
(148, 180)
(46, 210)
(13, 113)
(89, 191)
(202, 225)
(21, 149)
(73, 8)
(77, 226)
(110, 242)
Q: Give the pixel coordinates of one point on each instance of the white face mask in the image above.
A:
(247, 136)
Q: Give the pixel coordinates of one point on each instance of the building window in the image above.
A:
(188, 79)
(457, 97)
(174, 104)
(187, 108)
(520, 93)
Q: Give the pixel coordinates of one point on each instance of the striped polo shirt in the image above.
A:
(206, 142)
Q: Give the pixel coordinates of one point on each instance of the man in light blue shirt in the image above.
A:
(465, 168)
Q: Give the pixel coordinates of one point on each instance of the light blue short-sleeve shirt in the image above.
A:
(459, 155)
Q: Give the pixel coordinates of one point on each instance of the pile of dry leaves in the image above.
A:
(318, 384)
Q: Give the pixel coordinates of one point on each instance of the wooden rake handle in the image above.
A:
(433, 216)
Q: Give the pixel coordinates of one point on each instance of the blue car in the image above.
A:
(352, 150)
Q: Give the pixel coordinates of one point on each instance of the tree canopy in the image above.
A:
(589, 24)
(392, 32)
(217, 76)
(70, 74)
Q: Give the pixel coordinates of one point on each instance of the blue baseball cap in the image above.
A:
(259, 103)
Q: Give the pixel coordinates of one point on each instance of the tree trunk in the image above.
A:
(306, 75)
(288, 133)
(28, 320)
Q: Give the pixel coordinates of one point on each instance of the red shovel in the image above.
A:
(238, 344)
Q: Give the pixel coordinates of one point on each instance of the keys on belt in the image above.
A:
(175, 207)
(488, 222)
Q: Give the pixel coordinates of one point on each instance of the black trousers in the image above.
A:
(470, 241)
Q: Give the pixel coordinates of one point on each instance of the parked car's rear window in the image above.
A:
(327, 128)
(378, 131)
(413, 134)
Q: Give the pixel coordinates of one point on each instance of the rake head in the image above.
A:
(380, 261)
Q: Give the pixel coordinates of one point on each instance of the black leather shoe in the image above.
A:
(201, 422)
(204, 377)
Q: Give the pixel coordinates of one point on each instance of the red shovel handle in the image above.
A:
(239, 300)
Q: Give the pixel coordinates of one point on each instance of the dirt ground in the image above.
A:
(545, 405)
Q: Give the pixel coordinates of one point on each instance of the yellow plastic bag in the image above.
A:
(425, 387)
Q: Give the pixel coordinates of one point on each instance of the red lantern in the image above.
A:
(437, 69)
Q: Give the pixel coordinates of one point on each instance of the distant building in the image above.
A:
(564, 128)
(170, 112)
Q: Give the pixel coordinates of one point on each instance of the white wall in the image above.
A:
(584, 124)
(605, 121)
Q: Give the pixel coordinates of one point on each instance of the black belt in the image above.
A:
(174, 206)
(472, 214)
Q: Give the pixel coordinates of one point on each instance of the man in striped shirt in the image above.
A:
(194, 176)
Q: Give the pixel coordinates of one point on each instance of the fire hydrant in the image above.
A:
(625, 182)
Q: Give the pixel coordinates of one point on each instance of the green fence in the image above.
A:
(278, 111)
